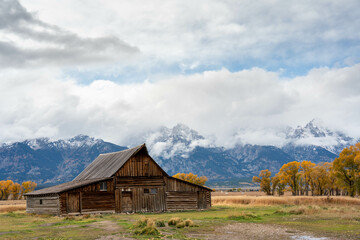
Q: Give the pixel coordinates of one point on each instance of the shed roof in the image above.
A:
(65, 186)
(106, 165)
(194, 184)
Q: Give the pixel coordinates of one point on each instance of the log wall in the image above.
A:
(46, 204)
(181, 201)
(181, 195)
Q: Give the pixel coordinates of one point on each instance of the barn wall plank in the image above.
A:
(43, 204)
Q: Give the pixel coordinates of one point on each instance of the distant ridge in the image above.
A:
(177, 149)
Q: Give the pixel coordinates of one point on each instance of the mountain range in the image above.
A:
(177, 149)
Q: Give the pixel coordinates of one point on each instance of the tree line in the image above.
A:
(11, 190)
(340, 177)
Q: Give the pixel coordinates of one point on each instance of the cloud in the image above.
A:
(246, 106)
(27, 41)
(192, 36)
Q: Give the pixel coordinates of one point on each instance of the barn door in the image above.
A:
(73, 202)
(126, 201)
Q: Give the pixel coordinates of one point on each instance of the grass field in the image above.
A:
(231, 217)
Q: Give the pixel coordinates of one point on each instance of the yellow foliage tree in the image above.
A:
(265, 181)
(319, 179)
(306, 168)
(5, 189)
(15, 191)
(27, 186)
(289, 174)
(347, 168)
(193, 178)
(277, 185)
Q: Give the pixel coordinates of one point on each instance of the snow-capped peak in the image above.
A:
(314, 128)
(74, 142)
(179, 140)
(314, 133)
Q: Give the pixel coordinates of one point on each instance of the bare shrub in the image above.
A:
(180, 225)
(189, 223)
(160, 223)
(174, 221)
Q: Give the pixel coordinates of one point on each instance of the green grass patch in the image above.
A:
(339, 221)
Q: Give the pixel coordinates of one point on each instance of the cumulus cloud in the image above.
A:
(234, 107)
(26, 41)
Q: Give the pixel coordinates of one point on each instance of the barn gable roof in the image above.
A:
(106, 165)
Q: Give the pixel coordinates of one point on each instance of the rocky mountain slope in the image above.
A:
(46, 161)
(177, 149)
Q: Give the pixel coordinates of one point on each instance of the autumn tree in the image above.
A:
(332, 186)
(5, 189)
(319, 179)
(265, 181)
(26, 187)
(15, 191)
(192, 178)
(306, 168)
(289, 175)
(347, 168)
(277, 185)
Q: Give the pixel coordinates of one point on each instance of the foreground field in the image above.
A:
(229, 218)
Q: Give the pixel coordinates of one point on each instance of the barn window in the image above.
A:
(40, 201)
(103, 186)
(153, 191)
(146, 190)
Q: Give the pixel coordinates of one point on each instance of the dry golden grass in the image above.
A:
(285, 200)
(12, 205)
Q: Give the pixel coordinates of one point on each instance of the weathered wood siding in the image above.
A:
(173, 184)
(181, 195)
(126, 182)
(140, 165)
(98, 201)
(88, 199)
(148, 202)
(143, 196)
(181, 201)
(47, 204)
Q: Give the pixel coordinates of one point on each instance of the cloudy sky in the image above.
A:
(119, 69)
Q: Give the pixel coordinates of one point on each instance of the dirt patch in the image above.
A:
(109, 226)
(256, 231)
(68, 226)
(115, 237)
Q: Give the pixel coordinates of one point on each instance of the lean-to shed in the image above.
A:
(125, 181)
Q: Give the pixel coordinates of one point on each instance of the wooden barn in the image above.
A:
(125, 181)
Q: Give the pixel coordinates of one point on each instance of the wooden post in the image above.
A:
(67, 202)
(117, 201)
(80, 202)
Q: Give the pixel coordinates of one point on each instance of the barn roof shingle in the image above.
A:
(106, 165)
(65, 187)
